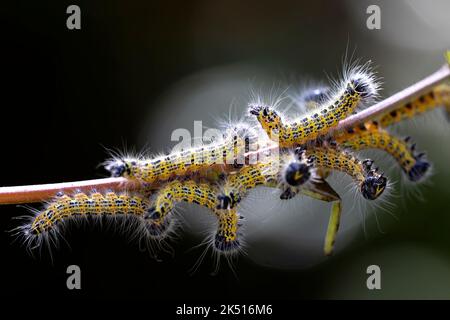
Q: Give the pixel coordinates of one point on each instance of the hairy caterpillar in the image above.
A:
(371, 135)
(437, 97)
(360, 86)
(47, 223)
(287, 174)
(226, 236)
(292, 176)
(180, 176)
(368, 135)
(371, 183)
(228, 151)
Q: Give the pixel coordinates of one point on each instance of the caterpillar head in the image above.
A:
(363, 85)
(269, 119)
(297, 173)
(373, 185)
(119, 167)
(228, 200)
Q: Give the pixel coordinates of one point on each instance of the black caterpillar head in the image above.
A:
(228, 201)
(374, 183)
(373, 186)
(297, 173)
(268, 117)
(363, 85)
(118, 168)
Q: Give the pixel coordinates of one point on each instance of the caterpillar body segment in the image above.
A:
(66, 207)
(371, 183)
(289, 174)
(180, 164)
(369, 136)
(47, 224)
(359, 87)
(176, 191)
(227, 238)
(439, 96)
(249, 177)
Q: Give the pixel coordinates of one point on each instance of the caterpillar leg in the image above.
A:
(368, 136)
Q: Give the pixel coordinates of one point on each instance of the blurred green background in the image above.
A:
(137, 70)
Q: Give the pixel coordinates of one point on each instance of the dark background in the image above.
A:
(66, 94)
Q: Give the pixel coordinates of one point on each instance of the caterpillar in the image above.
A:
(437, 97)
(203, 194)
(361, 86)
(227, 238)
(287, 174)
(307, 155)
(371, 183)
(292, 177)
(46, 224)
(370, 136)
(327, 157)
(228, 151)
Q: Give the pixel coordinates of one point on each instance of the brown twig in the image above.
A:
(38, 193)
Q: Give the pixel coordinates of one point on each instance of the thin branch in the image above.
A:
(39, 193)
